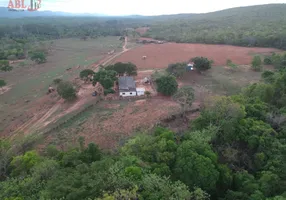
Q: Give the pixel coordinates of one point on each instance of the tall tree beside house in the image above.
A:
(105, 77)
(121, 68)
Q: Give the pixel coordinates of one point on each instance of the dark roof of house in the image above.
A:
(126, 84)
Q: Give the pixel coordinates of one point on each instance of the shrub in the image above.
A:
(202, 63)
(267, 60)
(57, 80)
(256, 63)
(108, 91)
(2, 83)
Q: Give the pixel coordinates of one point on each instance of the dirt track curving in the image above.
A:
(160, 55)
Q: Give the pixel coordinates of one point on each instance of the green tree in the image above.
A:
(230, 64)
(23, 164)
(4, 66)
(177, 69)
(129, 68)
(85, 74)
(66, 90)
(167, 85)
(195, 165)
(201, 63)
(39, 57)
(256, 63)
(267, 60)
(2, 83)
(105, 77)
(57, 80)
(185, 97)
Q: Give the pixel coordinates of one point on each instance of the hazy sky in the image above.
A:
(143, 7)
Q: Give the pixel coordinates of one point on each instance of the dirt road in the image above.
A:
(84, 96)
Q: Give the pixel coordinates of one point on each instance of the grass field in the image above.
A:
(29, 81)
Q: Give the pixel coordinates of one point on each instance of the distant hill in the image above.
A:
(263, 25)
(5, 13)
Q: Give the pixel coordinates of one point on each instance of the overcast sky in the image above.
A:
(143, 7)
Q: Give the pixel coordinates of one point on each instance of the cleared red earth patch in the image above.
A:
(160, 55)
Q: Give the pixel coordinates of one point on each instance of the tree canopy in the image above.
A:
(66, 90)
(39, 57)
(105, 77)
(167, 85)
(185, 96)
(121, 68)
(4, 66)
(201, 63)
(2, 83)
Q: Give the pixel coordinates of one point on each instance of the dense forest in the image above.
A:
(235, 149)
(263, 26)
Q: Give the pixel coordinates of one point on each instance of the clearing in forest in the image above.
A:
(161, 55)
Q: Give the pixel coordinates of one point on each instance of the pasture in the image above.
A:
(28, 82)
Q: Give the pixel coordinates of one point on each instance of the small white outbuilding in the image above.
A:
(140, 91)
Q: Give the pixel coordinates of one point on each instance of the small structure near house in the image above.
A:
(146, 80)
(140, 91)
(127, 86)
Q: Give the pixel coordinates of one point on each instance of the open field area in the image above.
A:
(110, 123)
(160, 56)
(28, 83)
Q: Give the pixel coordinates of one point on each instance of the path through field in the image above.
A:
(84, 95)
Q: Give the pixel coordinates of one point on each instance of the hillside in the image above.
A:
(263, 25)
(5, 13)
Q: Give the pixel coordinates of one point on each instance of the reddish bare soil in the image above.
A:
(160, 55)
(139, 115)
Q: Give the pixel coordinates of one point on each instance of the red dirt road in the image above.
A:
(160, 55)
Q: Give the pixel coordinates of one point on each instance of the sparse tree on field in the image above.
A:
(2, 83)
(57, 80)
(148, 94)
(230, 64)
(185, 97)
(39, 57)
(201, 63)
(4, 66)
(256, 63)
(177, 69)
(66, 90)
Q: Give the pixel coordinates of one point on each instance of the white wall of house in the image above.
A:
(127, 94)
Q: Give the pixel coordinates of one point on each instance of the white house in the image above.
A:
(140, 91)
(127, 86)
